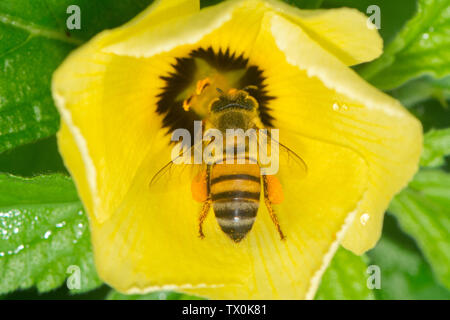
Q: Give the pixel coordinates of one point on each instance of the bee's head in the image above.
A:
(234, 109)
(234, 99)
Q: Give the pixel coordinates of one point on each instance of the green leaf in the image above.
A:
(436, 147)
(405, 274)
(41, 157)
(432, 115)
(345, 278)
(34, 41)
(423, 211)
(207, 3)
(421, 89)
(43, 231)
(422, 47)
(157, 295)
(305, 4)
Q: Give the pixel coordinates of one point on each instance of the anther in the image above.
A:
(201, 85)
(187, 103)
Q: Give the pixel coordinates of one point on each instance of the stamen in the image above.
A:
(187, 103)
(201, 85)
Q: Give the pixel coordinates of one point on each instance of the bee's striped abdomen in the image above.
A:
(235, 193)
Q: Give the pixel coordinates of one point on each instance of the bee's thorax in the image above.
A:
(233, 120)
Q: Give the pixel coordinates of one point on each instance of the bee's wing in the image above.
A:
(177, 171)
(285, 158)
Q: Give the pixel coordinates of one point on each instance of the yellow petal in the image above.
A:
(150, 22)
(145, 39)
(73, 160)
(319, 97)
(333, 29)
(162, 11)
(84, 88)
(343, 32)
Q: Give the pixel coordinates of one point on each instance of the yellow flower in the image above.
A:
(122, 94)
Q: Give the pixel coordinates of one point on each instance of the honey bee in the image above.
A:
(234, 190)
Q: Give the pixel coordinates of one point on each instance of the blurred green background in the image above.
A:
(413, 253)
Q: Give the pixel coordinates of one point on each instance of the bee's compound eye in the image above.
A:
(250, 103)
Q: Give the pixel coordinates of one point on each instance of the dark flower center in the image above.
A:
(188, 73)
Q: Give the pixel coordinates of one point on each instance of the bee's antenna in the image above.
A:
(220, 91)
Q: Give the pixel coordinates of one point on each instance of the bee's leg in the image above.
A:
(206, 205)
(272, 213)
(204, 213)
